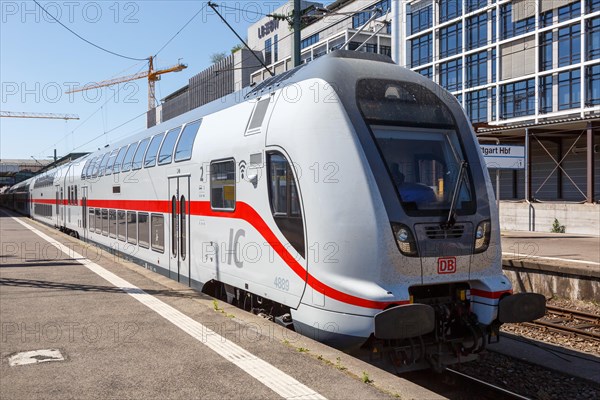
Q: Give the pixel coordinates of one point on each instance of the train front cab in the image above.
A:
(438, 197)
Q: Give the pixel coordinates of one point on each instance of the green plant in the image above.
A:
(338, 364)
(557, 227)
(215, 305)
(365, 378)
(303, 350)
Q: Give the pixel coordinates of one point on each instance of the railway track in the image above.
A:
(569, 322)
(480, 389)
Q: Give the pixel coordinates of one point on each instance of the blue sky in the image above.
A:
(39, 60)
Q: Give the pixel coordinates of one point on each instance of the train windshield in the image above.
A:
(424, 165)
(415, 132)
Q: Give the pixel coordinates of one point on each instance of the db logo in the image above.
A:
(446, 265)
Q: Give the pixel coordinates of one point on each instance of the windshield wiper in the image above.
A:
(451, 214)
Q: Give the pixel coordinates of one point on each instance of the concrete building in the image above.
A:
(527, 72)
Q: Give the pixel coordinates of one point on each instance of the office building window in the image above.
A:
(450, 9)
(494, 102)
(450, 40)
(569, 45)
(420, 20)
(592, 5)
(512, 28)
(493, 51)
(477, 69)
(385, 50)
(421, 50)
(476, 106)
(545, 92)
(593, 38)
(473, 5)
(546, 18)
(546, 42)
(477, 31)
(268, 53)
(569, 11)
(592, 97)
(517, 99)
(275, 48)
(569, 89)
(426, 72)
(312, 39)
(459, 99)
(451, 75)
(494, 30)
(361, 18)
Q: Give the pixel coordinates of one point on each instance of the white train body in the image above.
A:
(288, 196)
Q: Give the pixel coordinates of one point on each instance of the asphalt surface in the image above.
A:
(116, 347)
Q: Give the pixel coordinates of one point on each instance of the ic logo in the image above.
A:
(446, 265)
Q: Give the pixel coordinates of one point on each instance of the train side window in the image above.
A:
(96, 167)
(103, 164)
(260, 111)
(285, 202)
(105, 222)
(150, 159)
(143, 230)
(121, 225)
(112, 223)
(157, 236)
(129, 157)
(166, 150)
(111, 162)
(131, 227)
(92, 217)
(98, 221)
(139, 154)
(222, 185)
(119, 160)
(84, 169)
(89, 173)
(186, 141)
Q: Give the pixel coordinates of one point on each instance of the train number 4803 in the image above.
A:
(446, 265)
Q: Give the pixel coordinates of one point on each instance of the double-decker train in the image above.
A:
(346, 198)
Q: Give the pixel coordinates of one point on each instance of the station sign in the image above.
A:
(503, 157)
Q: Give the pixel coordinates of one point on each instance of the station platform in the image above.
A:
(78, 322)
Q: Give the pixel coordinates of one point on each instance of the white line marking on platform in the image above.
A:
(35, 357)
(517, 256)
(270, 376)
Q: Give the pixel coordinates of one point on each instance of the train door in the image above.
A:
(59, 206)
(179, 259)
(84, 212)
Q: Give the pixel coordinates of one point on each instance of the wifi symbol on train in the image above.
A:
(242, 165)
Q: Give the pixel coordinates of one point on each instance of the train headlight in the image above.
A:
(482, 236)
(405, 240)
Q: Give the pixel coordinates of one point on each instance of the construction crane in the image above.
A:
(15, 114)
(151, 74)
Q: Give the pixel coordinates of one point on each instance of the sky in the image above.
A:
(40, 60)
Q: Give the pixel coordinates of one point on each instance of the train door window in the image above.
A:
(285, 202)
(111, 162)
(121, 225)
(92, 217)
(186, 141)
(174, 226)
(131, 227)
(150, 159)
(166, 150)
(112, 223)
(183, 228)
(98, 221)
(144, 230)
(76, 199)
(139, 154)
(105, 222)
(129, 157)
(157, 235)
(222, 185)
(69, 195)
(103, 164)
(84, 213)
(119, 159)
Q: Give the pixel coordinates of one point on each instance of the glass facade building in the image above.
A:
(508, 61)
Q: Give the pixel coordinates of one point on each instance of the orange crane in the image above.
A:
(15, 114)
(151, 74)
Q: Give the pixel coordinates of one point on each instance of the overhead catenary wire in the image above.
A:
(84, 39)
(181, 29)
